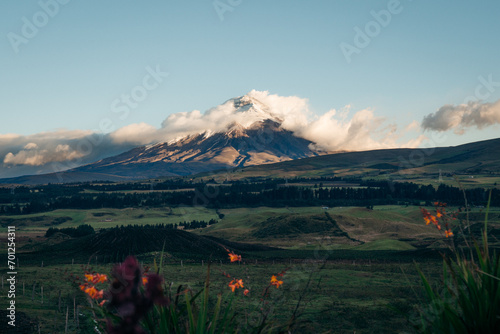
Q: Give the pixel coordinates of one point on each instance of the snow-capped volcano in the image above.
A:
(263, 141)
(252, 135)
(242, 131)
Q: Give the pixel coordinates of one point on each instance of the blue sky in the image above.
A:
(87, 54)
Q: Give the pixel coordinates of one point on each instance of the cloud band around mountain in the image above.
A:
(332, 131)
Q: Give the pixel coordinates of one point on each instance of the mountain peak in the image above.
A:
(246, 100)
(251, 110)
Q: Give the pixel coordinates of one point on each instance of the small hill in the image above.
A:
(285, 225)
(299, 226)
(112, 245)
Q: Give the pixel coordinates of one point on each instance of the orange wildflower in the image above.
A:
(427, 221)
(233, 257)
(433, 219)
(100, 278)
(448, 233)
(276, 282)
(246, 292)
(428, 217)
(97, 278)
(94, 293)
(102, 303)
(144, 280)
(235, 284)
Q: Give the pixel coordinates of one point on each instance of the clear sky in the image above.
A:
(66, 64)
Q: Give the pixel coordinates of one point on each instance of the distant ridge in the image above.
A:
(482, 157)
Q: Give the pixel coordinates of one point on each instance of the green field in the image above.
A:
(389, 222)
(362, 260)
(105, 218)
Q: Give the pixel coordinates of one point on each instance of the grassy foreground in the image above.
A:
(368, 284)
(344, 296)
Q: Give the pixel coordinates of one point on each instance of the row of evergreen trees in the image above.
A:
(185, 225)
(252, 195)
(196, 224)
(75, 232)
(85, 229)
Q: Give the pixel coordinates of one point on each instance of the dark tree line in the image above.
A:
(74, 232)
(274, 192)
(85, 229)
(196, 224)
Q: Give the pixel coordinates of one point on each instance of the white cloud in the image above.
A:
(292, 110)
(136, 134)
(363, 131)
(31, 155)
(54, 151)
(331, 131)
(463, 116)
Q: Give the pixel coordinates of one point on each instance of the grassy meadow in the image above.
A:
(342, 296)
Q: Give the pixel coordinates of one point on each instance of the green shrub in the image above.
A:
(468, 298)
